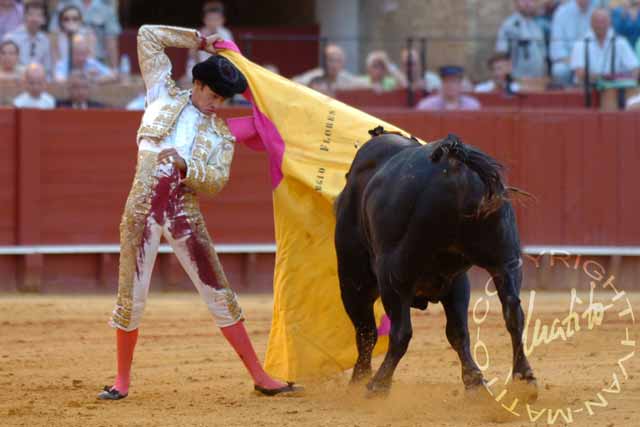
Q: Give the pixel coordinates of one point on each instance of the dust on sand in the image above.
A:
(56, 352)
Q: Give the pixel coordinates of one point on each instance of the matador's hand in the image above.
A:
(210, 42)
(170, 155)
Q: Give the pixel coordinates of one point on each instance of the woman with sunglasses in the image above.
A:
(70, 23)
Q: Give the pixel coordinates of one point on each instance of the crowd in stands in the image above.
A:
(77, 49)
(543, 44)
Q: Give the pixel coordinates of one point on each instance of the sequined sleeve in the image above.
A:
(210, 164)
(155, 65)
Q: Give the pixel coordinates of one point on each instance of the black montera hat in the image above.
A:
(220, 75)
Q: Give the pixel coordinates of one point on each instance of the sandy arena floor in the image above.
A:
(56, 352)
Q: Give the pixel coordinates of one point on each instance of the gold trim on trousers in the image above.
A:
(160, 205)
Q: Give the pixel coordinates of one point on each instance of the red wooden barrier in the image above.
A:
(75, 168)
(365, 98)
(8, 193)
(579, 164)
(66, 175)
(78, 167)
(7, 176)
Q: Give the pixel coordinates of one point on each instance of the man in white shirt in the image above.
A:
(33, 42)
(82, 60)
(608, 54)
(501, 81)
(570, 23)
(335, 74)
(35, 97)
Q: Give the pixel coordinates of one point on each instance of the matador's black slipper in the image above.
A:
(289, 390)
(110, 393)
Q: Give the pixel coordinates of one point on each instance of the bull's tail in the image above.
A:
(488, 169)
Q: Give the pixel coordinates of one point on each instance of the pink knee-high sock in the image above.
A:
(126, 342)
(237, 336)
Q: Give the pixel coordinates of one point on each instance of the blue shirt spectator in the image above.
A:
(626, 21)
(34, 44)
(522, 38)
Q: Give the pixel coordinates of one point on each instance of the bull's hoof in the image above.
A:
(525, 389)
(478, 393)
(472, 379)
(360, 377)
(355, 382)
(377, 390)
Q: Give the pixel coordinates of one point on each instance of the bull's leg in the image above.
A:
(507, 281)
(358, 288)
(359, 306)
(456, 306)
(398, 308)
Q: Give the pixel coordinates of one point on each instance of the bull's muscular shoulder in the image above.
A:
(381, 148)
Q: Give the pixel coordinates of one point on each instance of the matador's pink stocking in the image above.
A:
(237, 336)
(126, 344)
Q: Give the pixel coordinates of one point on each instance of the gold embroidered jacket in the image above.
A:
(210, 163)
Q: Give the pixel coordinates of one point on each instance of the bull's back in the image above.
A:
(368, 160)
(373, 155)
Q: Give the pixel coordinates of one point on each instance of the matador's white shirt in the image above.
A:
(171, 120)
(183, 134)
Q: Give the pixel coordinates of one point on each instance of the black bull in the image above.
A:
(411, 220)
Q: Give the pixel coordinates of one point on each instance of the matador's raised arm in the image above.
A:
(155, 65)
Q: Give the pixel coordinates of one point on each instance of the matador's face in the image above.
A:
(204, 99)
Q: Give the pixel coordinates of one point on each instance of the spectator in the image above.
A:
(544, 14)
(430, 82)
(79, 87)
(9, 67)
(337, 77)
(450, 96)
(626, 20)
(81, 60)
(138, 103)
(609, 55)
(33, 42)
(102, 19)
(213, 20)
(570, 23)
(502, 81)
(10, 16)
(70, 23)
(522, 38)
(35, 78)
(321, 85)
(382, 74)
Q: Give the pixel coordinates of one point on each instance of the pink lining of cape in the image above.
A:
(258, 132)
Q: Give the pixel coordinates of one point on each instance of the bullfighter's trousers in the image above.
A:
(160, 205)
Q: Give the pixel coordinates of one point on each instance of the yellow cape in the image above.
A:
(311, 334)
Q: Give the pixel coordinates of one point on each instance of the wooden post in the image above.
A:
(28, 197)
